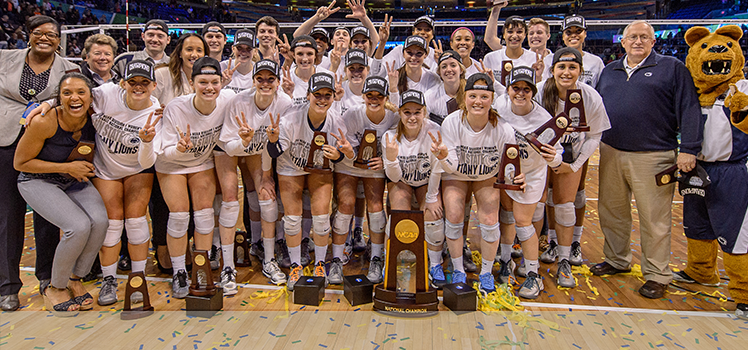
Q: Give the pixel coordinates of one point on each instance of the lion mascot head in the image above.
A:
(715, 60)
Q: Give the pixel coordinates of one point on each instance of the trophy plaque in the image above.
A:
(452, 105)
(316, 162)
(367, 149)
(241, 249)
(509, 168)
(136, 283)
(406, 235)
(83, 151)
(357, 289)
(548, 133)
(506, 70)
(460, 297)
(574, 101)
(204, 299)
(667, 176)
(309, 291)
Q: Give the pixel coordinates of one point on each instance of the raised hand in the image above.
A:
(343, 145)
(81, 170)
(287, 84)
(392, 148)
(486, 71)
(384, 30)
(357, 9)
(185, 141)
(284, 47)
(228, 73)
(336, 55)
(438, 49)
(245, 132)
(498, 5)
(148, 131)
(538, 66)
(438, 148)
(393, 75)
(325, 11)
(274, 130)
(339, 92)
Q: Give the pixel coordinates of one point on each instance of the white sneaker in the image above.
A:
(576, 254)
(271, 270)
(228, 281)
(532, 286)
(549, 255)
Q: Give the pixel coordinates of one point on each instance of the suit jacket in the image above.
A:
(12, 104)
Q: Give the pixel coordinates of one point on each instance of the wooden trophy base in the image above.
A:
(460, 298)
(505, 186)
(360, 164)
(136, 283)
(580, 128)
(357, 289)
(136, 313)
(309, 291)
(532, 140)
(204, 306)
(318, 170)
(391, 303)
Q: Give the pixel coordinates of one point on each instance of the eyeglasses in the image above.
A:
(518, 89)
(49, 35)
(643, 37)
(418, 54)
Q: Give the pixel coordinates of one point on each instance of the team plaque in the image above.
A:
(548, 133)
(316, 162)
(367, 149)
(509, 168)
(574, 101)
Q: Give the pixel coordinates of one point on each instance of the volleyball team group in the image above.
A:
(172, 131)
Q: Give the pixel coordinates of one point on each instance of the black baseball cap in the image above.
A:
(214, 27)
(244, 37)
(139, 68)
(449, 54)
(417, 41)
(356, 56)
(425, 19)
(574, 21)
(320, 81)
(567, 51)
(320, 31)
(694, 182)
(360, 30)
(268, 65)
(375, 83)
(522, 73)
(206, 65)
(472, 82)
(156, 24)
(414, 96)
(303, 41)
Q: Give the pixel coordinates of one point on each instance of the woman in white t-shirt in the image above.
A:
(462, 41)
(190, 130)
(377, 115)
(413, 169)
(172, 80)
(414, 75)
(290, 140)
(450, 94)
(240, 64)
(470, 154)
(568, 178)
(296, 80)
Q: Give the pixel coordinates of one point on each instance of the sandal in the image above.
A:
(85, 301)
(62, 309)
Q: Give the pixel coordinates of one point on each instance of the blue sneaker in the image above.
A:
(436, 275)
(459, 276)
(487, 283)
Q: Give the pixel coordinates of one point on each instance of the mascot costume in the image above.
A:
(716, 215)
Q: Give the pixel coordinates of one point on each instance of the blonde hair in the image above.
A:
(401, 128)
(493, 116)
(99, 39)
(536, 20)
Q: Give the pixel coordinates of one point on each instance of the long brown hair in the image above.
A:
(460, 96)
(402, 80)
(493, 115)
(175, 62)
(550, 92)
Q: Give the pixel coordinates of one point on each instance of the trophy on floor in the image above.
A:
(406, 236)
(204, 299)
(506, 71)
(573, 101)
(367, 149)
(136, 283)
(509, 168)
(548, 133)
(241, 249)
(316, 162)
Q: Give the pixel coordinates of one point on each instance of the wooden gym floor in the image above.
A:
(601, 313)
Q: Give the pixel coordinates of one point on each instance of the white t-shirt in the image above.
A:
(164, 91)
(428, 80)
(117, 126)
(354, 122)
(239, 81)
(415, 165)
(436, 103)
(301, 87)
(473, 68)
(591, 64)
(493, 61)
(473, 155)
(350, 100)
(295, 137)
(396, 55)
(204, 133)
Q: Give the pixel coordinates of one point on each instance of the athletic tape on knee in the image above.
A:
(178, 224)
(292, 224)
(581, 200)
(269, 210)
(490, 233)
(217, 203)
(549, 200)
(253, 202)
(506, 217)
(434, 232)
(360, 190)
(321, 224)
(565, 215)
(377, 221)
(229, 214)
(341, 223)
(204, 221)
(137, 230)
(525, 233)
(539, 212)
(453, 231)
(114, 233)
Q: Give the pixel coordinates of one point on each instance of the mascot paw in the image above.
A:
(736, 101)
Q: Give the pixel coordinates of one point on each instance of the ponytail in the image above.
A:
(550, 95)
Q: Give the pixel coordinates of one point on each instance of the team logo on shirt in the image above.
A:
(204, 141)
(415, 168)
(258, 142)
(477, 161)
(299, 153)
(117, 137)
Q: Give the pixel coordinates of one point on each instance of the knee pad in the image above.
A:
(229, 214)
(321, 224)
(292, 224)
(565, 215)
(377, 221)
(549, 200)
(506, 217)
(581, 199)
(217, 203)
(178, 224)
(137, 230)
(539, 212)
(360, 190)
(253, 202)
(342, 223)
(306, 201)
(490, 233)
(434, 232)
(204, 221)
(525, 233)
(453, 231)
(114, 233)
(269, 210)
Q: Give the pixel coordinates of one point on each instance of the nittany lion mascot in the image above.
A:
(717, 216)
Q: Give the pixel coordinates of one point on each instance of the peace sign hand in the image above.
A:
(438, 148)
(486, 71)
(274, 130)
(325, 11)
(384, 30)
(538, 66)
(228, 73)
(287, 84)
(185, 141)
(438, 49)
(392, 148)
(284, 47)
(343, 145)
(339, 92)
(148, 131)
(245, 132)
(336, 56)
(393, 74)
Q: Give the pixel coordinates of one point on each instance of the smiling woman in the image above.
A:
(172, 80)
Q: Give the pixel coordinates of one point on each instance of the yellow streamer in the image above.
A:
(273, 297)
